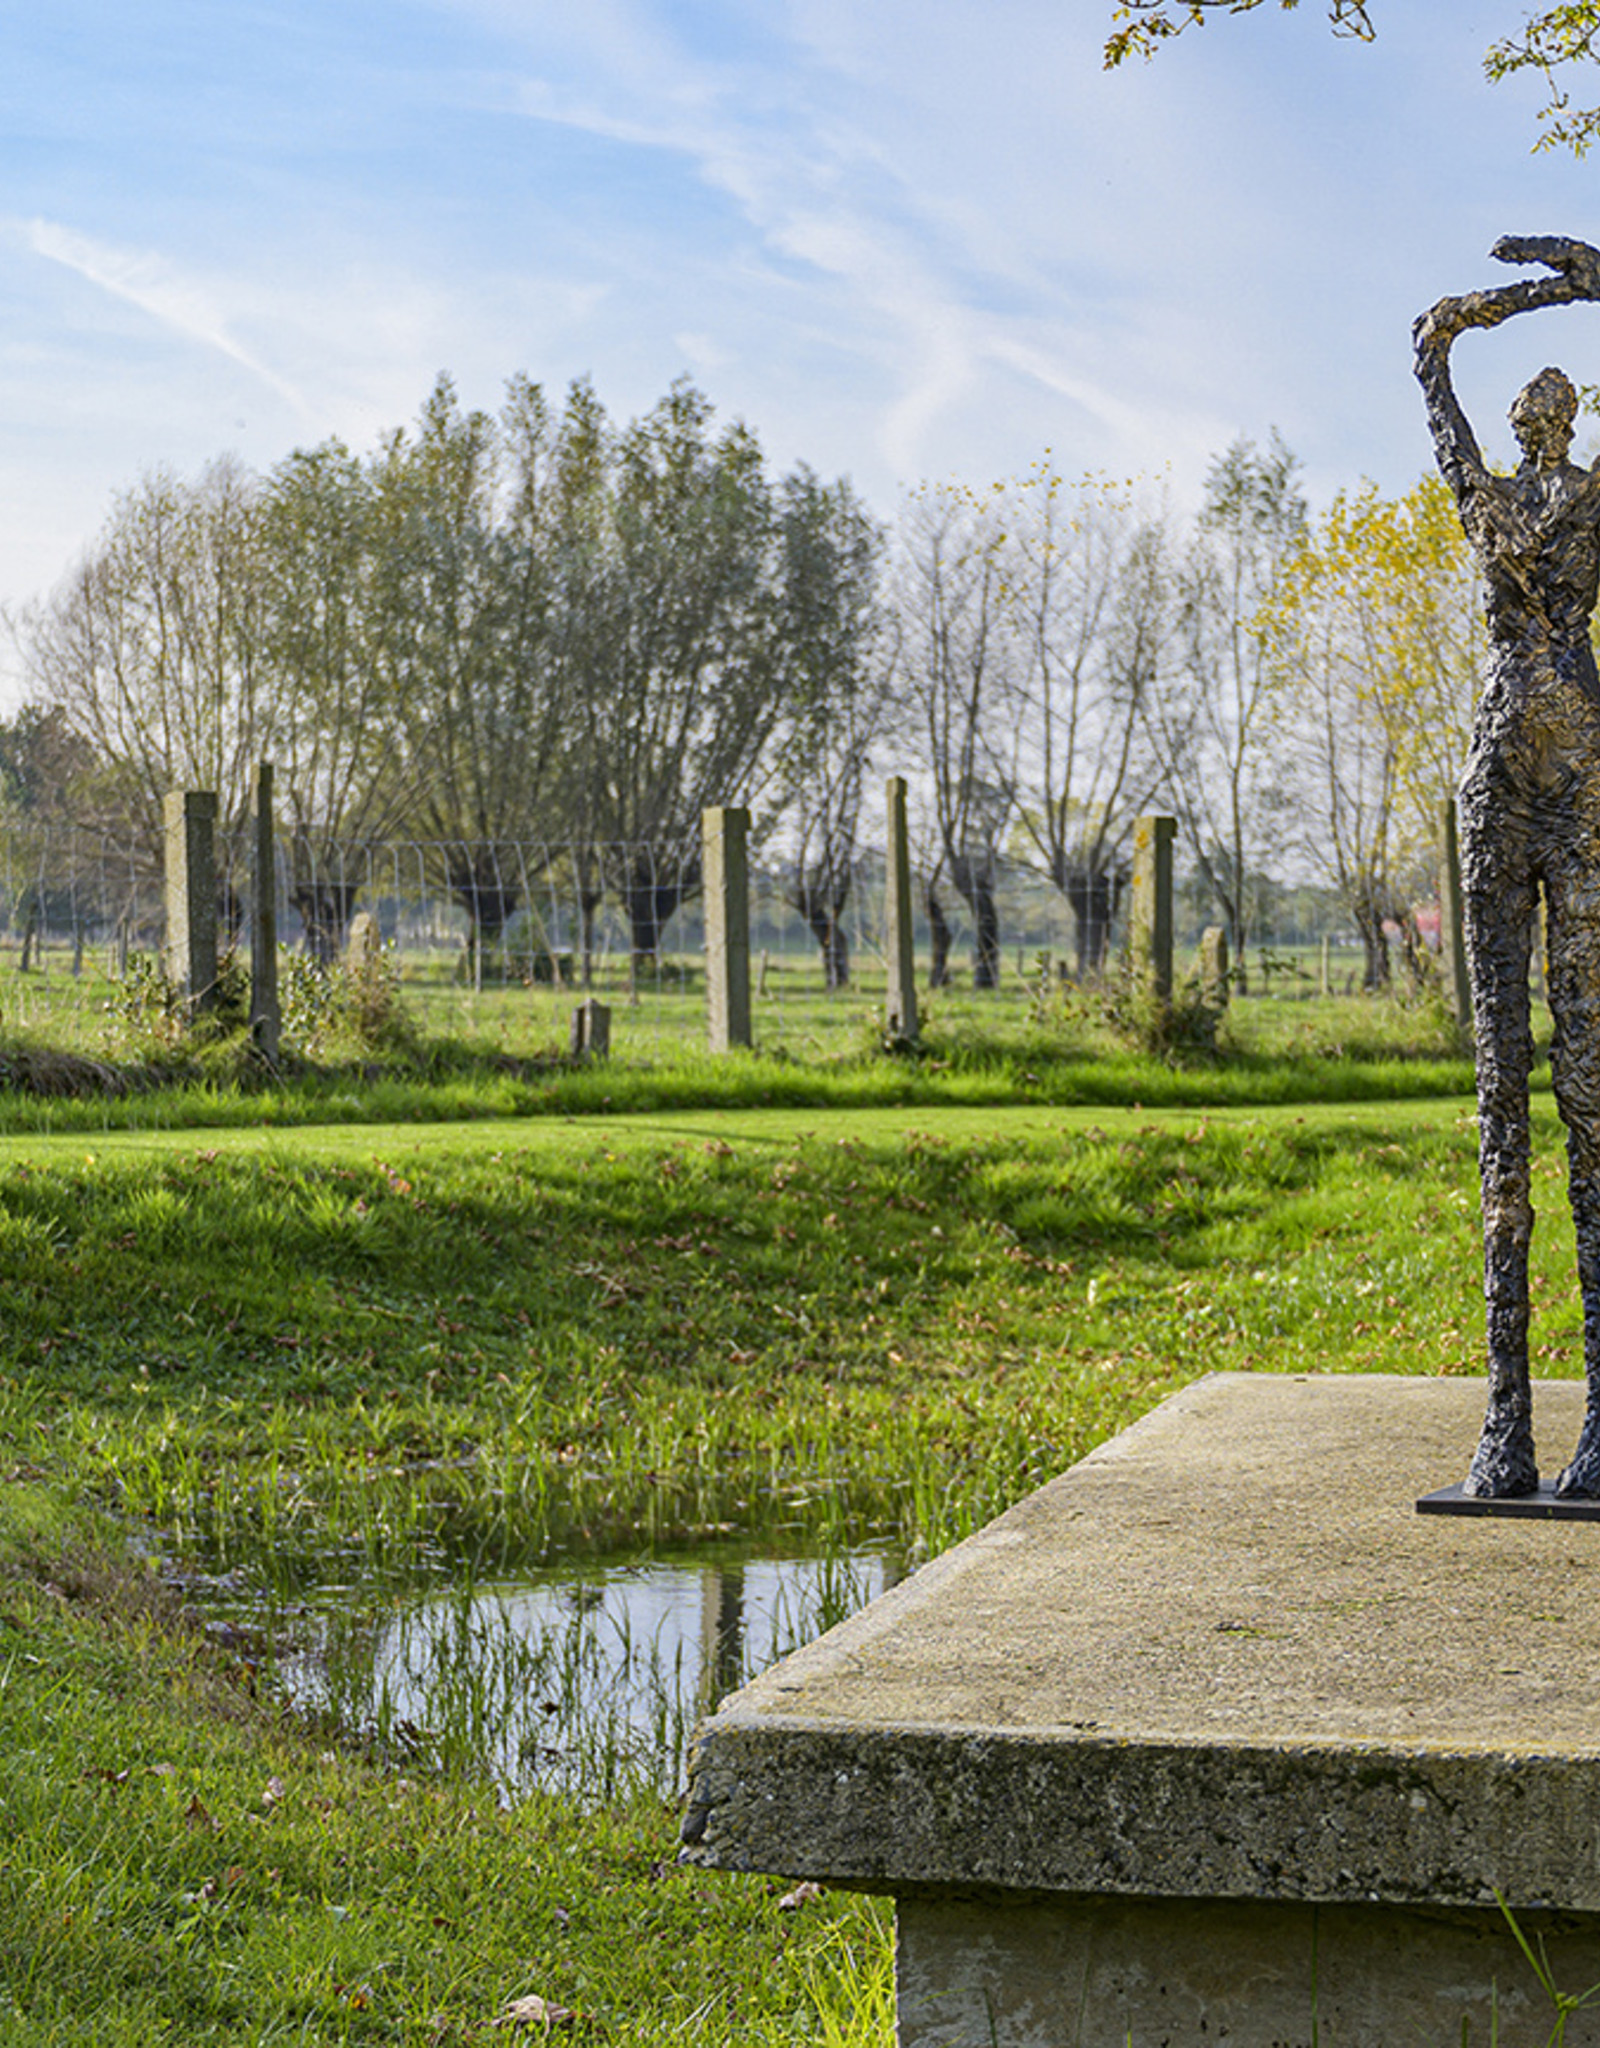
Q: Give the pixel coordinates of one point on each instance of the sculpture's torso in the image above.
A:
(1537, 539)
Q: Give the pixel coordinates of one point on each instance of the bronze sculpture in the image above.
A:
(1530, 818)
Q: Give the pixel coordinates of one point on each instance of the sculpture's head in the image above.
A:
(1542, 414)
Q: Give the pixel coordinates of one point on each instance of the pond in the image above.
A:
(584, 1676)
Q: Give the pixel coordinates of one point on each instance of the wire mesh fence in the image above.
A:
(496, 942)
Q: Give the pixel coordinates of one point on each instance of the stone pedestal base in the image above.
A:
(1104, 1973)
(1213, 1739)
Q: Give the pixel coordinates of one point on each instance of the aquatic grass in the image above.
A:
(585, 1679)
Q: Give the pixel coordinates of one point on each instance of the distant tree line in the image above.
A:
(545, 628)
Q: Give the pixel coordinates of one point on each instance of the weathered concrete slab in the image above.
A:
(1223, 1658)
(1139, 1973)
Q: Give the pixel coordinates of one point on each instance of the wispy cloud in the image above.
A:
(151, 282)
(821, 195)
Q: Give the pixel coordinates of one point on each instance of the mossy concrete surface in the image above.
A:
(1223, 1657)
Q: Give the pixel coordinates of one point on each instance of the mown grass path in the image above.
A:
(953, 1123)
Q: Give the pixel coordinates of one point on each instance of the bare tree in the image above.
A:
(150, 648)
(473, 567)
(1340, 632)
(842, 698)
(950, 596)
(488, 634)
(329, 620)
(1086, 578)
(1211, 714)
(698, 616)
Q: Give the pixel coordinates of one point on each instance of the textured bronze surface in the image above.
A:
(1530, 820)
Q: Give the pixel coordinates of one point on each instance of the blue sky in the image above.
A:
(901, 240)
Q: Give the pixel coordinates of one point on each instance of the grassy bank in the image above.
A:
(181, 1866)
(487, 1336)
(388, 1349)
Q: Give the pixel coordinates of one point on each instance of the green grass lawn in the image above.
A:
(256, 1346)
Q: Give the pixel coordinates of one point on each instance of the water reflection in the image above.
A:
(581, 1677)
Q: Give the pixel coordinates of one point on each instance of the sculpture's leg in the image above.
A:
(1499, 905)
(1573, 893)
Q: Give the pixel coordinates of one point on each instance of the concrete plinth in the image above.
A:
(1213, 1738)
(1251, 1973)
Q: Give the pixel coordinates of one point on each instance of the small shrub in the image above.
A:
(368, 1002)
(144, 1009)
(148, 1013)
(1185, 1026)
(305, 998)
(354, 1000)
(227, 1010)
(1282, 966)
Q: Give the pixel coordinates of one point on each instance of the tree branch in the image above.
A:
(1141, 24)
(1561, 35)
(1566, 34)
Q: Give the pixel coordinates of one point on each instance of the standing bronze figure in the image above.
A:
(1530, 818)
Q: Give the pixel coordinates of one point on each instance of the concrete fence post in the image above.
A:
(900, 1008)
(1150, 918)
(190, 819)
(591, 1030)
(266, 1015)
(1214, 966)
(1452, 931)
(725, 837)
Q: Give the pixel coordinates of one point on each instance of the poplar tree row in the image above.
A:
(548, 630)
(486, 633)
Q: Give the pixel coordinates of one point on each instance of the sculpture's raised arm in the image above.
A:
(1575, 268)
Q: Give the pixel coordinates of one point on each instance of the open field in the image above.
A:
(400, 1351)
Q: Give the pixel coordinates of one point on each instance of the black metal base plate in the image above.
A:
(1544, 1506)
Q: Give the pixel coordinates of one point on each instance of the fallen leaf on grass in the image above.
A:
(273, 1793)
(534, 2011)
(196, 1815)
(802, 1895)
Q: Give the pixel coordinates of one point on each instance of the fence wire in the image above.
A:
(497, 941)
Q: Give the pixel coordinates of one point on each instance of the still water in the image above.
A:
(583, 1677)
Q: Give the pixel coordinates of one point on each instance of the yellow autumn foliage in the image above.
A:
(1379, 648)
